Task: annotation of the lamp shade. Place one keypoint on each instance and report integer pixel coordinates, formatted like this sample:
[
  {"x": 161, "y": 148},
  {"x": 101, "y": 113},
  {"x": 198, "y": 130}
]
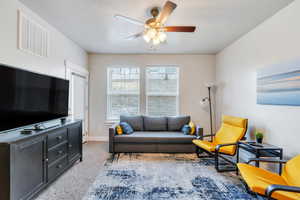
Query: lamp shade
[{"x": 209, "y": 84}]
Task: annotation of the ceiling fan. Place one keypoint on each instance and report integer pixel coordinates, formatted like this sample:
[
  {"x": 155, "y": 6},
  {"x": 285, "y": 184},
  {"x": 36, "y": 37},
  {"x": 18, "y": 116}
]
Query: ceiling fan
[{"x": 154, "y": 28}]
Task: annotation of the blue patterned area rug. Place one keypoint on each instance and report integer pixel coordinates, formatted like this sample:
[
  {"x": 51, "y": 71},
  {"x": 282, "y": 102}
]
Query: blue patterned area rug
[{"x": 162, "y": 177}]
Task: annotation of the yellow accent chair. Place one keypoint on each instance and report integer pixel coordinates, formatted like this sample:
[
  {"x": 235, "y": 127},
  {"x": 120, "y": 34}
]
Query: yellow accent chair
[
  {"x": 285, "y": 186},
  {"x": 224, "y": 142}
]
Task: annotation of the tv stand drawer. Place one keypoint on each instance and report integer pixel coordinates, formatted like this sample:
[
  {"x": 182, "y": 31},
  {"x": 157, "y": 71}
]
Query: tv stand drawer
[
  {"x": 56, "y": 137},
  {"x": 57, "y": 152},
  {"x": 56, "y": 168}
]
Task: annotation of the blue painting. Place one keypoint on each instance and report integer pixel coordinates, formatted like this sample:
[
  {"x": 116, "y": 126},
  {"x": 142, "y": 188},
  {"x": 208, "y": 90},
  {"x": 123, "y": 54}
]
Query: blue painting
[{"x": 279, "y": 84}]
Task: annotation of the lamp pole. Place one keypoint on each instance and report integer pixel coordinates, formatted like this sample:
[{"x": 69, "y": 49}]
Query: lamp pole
[{"x": 210, "y": 113}]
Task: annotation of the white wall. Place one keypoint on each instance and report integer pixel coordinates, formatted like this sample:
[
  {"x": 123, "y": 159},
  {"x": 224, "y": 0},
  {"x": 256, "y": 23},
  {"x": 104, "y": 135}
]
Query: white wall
[
  {"x": 274, "y": 41},
  {"x": 61, "y": 48},
  {"x": 195, "y": 70}
]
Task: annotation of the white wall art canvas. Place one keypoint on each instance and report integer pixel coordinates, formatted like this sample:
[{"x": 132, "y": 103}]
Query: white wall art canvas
[{"x": 279, "y": 84}]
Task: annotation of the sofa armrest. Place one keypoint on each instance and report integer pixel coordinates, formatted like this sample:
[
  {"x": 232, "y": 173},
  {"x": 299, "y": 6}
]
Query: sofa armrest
[{"x": 112, "y": 133}]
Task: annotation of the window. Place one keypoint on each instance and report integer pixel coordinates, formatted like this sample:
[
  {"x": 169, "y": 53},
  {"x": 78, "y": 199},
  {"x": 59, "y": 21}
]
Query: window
[
  {"x": 162, "y": 91},
  {"x": 123, "y": 92}
]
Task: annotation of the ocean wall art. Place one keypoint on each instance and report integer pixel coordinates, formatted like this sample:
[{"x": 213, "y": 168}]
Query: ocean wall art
[{"x": 279, "y": 84}]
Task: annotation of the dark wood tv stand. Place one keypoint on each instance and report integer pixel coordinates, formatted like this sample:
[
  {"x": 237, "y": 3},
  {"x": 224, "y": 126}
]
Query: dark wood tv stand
[{"x": 29, "y": 163}]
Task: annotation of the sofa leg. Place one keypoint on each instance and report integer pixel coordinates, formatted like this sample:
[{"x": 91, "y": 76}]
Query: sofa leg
[
  {"x": 198, "y": 152},
  {"x": 114, "y": 156}
]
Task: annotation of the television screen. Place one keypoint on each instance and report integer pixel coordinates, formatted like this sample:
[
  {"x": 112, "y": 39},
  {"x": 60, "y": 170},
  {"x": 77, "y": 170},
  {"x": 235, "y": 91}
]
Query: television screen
[{"x": 29, "y": 98}]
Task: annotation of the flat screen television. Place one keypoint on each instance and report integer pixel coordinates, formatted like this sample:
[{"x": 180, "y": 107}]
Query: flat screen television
[{"x": 29, "y": 98}]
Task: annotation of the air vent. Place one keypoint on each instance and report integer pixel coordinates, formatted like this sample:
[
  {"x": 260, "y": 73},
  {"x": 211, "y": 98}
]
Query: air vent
[{"x": 33, "y": 38}]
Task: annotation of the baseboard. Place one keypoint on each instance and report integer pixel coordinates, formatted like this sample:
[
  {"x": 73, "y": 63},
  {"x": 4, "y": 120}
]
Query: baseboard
[{"x": 97, "y": 139}]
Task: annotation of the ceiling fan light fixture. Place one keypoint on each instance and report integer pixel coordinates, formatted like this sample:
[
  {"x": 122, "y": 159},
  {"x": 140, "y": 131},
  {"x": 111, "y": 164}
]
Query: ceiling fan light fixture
[
  {"x": 154, "y": 28},
  {"x": 156, "y": 41},
  {"x": 146, "y": 38},
  {"x": 151, "y": 33},
  {"x": 162, "y": 36}
]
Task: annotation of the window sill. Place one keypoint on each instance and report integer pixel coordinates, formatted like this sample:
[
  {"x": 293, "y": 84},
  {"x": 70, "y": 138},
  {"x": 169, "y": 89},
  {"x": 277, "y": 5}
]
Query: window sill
[{"x": 110, "y": 122}]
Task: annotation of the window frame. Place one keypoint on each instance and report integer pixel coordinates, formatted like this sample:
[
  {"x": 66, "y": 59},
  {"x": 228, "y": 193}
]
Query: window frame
[
  {"x": 178, "y": 87},
  {"x": 109, "y": 117}
]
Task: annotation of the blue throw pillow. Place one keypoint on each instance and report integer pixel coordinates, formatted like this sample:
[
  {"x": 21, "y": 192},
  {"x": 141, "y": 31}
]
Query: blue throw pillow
[
  {"x": 186, "y": 129},
  {"x": 127, "y": 129}
]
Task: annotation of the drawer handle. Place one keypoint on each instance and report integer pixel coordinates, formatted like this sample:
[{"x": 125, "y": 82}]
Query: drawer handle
[
  {"x": 59, "y": 166},
  {"x": 59, "y": 137},
  {"x": 60, "y": 152}
]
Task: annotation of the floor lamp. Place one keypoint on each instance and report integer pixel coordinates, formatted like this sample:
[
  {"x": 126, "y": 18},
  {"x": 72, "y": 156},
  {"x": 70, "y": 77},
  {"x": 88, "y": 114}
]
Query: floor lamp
[{"x": 208, "y": 100}]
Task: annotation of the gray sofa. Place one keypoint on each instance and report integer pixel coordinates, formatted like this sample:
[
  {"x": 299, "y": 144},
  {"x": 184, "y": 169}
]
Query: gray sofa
[{"x": 153, "y": 135}]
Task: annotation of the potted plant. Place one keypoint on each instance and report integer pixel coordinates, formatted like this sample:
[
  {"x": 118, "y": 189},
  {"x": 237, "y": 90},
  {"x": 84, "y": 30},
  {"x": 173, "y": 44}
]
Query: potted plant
[{"x": 259, "y": 137}]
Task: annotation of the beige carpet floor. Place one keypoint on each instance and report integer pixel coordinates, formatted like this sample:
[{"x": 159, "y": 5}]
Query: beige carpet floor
[{"x": 75, "y": 182}]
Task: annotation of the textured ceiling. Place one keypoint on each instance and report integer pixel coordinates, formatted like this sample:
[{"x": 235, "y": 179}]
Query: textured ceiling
[{"x": 90, "y": 23}]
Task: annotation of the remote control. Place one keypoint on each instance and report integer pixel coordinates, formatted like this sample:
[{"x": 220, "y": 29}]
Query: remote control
[{"x": 26, "y": 131}]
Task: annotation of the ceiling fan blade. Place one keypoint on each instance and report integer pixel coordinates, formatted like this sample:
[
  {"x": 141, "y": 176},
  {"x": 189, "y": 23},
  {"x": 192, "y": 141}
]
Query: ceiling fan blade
[
  {"x": 130, "y": 20},
  {"x": 167, "y": 10},
  {"x": 189, "y": 29},
  {"x": 135, "y": 36}
]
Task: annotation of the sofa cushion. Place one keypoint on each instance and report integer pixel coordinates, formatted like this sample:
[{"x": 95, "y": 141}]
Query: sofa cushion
[
  {"x": 176, "y": 123},
  {"x": 155, "y": 123},
  {"x": 155, "y": 137},
  {"x": 136, "y": 122},
  {"x": 193, "y": 128},
  {"x": 119, "y": 130},
  {"x": 126, "y": 128},
  {"x": 186, "y": 129}
]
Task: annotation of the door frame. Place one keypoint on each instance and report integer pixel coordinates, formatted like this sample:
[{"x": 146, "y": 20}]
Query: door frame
[{"x": 70, "y": 69}]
